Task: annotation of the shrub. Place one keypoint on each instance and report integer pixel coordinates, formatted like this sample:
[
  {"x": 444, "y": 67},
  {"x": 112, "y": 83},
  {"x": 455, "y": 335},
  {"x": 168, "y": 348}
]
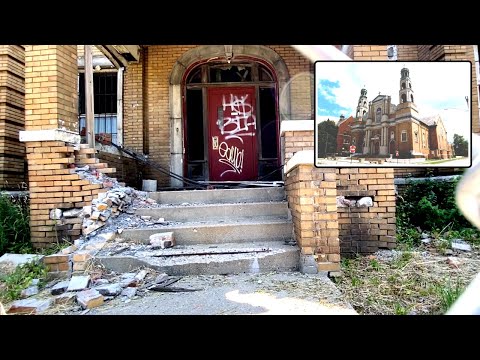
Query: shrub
[{"x": 14, "y": 225}]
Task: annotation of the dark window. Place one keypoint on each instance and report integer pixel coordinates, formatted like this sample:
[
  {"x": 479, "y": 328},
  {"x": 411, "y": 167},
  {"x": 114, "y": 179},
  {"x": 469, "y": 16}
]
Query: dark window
[
  {"x": 268, "y": 123},
  {"x": 378, "y": 117},
  {"x": 403, "y": 85},
  {"x": 404, "y": 98},
  {"x": 195, "y": 142},
  {"x": 104, "y": 104},
  {"x": 195, "y": 76},
  {"x": 411, "y": 97},
  {"x": 264, "y": 74},
  {"x": 230, "y": 73}
]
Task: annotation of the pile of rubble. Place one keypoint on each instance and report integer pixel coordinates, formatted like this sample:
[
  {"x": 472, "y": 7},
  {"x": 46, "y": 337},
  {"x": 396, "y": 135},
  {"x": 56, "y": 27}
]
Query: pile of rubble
[{"x": 84, "y": 292}]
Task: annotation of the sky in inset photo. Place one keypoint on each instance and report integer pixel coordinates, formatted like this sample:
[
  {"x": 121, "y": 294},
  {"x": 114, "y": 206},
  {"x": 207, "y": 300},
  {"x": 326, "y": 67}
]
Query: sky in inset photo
[{"x": 439, "y": 88}]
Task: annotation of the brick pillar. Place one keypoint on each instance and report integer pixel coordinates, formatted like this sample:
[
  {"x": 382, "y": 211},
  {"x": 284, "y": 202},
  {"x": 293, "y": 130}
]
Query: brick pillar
[
  {"x": 12, "y": 116},
  {"x": 311, "y": 195}
]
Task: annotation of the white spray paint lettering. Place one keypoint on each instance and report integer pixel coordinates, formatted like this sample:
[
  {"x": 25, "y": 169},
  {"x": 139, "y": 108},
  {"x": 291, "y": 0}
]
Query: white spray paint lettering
[
  {"x": 238, "y": 125},
  {"x": 231, "y": 156}
]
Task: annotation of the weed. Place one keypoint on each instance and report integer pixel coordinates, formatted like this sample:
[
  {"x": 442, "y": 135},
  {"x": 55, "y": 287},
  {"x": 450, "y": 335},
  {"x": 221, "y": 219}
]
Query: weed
[
  {"x": 356, "y": 281},
  {"x": 399, "y": 309},
  {"x": 448, "y": 294},
  {"x": 374, "y": 264},
  {"x": 21, "y": 278}
]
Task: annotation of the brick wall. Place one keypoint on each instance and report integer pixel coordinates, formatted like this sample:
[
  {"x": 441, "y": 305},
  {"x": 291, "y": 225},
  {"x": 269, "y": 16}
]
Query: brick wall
[
  {"x": 311, "y": 195},
  {"x": 12, "y": 116},
  {"x": 51, "y": 103},
  {"x": 127, "y": 169},
  {"x": 370, "y": 52},
  {"x": 407, "y": 52},
  {"x": 147, "y": 96},
  {"x": 366, "y": 229},
  {"x": 296, "y": 141},
  {"x": 301, "y": 87},
  {"x": 52, "y": 67}
]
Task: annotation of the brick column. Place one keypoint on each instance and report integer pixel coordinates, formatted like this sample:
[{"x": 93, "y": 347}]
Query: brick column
[{"x": 12, "y": 117}]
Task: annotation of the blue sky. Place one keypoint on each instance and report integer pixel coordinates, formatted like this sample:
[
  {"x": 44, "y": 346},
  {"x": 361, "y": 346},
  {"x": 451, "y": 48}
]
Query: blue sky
[{"x": 437, "y": 86}]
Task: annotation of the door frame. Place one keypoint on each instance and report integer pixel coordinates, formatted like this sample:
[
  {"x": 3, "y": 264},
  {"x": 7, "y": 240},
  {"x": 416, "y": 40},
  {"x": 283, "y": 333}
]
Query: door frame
[{"x": 205, "y": 86}]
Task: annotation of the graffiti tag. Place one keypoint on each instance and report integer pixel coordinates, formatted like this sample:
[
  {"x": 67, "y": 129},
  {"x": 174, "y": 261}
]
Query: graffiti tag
[
  {"x": 237, "y": 125},
  {"x": 231, "y": 156}
]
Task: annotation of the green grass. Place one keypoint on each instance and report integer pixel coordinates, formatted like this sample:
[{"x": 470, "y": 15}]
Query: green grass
[
  {"x": 448, "y": 294},
  {"x": 20, "y": 279}
]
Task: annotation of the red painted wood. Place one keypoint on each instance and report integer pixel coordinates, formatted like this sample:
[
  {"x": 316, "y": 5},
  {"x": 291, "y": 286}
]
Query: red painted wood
[{"x": 232, "y": 143}]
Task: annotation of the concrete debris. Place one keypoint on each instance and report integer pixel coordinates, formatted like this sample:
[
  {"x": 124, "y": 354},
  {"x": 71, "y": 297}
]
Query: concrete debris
[
  {"x": 60, "y": 287},
  {"x": 30, "y": 291},
  {"x": 69, "y": 250},
  {"x": 101, "y": 282},
  {"x": 35, "y": 282},
  {"x": 109, "y": 290},
  {"x": 426, "y": 240},
  {"x": 72, "y": 213},
  {"x": 425, "y": 236},
  {"x": 162, "y": 240},
  {"x": 459, "y": 244},
  {"x": 30, "y": 306},
  {"x": 343, "y": 202},
  {"x": 78, "y": 283},
  {"x": 146, "y": 217},
  {"x": 141, "y": 275},
  {"x": 129, "y": 292},
  {"x": 128, "y": 279},
  {"x": 161, "y": 278},
  {"x": 89, "y": 299},
  {"x": 448, "y": 252},
  {"x": 365, "y": 202},
  {"x": 65, "y": 299},
  {"x": 55, "y": 214}
]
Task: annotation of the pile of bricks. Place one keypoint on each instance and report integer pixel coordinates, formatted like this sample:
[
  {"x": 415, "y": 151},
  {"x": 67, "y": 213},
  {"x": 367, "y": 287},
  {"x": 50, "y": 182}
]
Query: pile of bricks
[
  {"x": 54, "y": 185},
  {"x": 86, "y": 156}
]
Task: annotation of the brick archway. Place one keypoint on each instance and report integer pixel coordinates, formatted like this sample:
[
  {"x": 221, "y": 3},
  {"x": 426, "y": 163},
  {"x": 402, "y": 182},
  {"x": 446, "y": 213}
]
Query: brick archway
[{"x": 202, "y": 53}]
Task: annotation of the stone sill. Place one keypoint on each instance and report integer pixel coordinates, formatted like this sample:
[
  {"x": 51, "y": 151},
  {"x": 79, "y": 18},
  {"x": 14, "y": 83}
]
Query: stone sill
[{"x": 50, "y": 135}]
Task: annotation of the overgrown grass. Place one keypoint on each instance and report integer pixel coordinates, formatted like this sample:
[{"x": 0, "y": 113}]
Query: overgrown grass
[
  {"x": 14, "y": 225},
  {"x": 430, "y": 206},
  {"x": 20, "y": 279}
]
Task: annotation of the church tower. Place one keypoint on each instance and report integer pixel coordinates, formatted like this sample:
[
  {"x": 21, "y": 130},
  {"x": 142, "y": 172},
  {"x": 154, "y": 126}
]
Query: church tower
[
  {"x": 406, "y": 92},
  {"x": 362, "y": 107}
]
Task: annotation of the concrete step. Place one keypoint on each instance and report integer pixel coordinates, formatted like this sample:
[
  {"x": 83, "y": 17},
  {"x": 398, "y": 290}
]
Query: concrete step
[
  {"x": 214, "y": 232},
  {"x": 220, "y": 196},
  {"x": 260, "y": 210},
  {"x": 227, "y": 258}
]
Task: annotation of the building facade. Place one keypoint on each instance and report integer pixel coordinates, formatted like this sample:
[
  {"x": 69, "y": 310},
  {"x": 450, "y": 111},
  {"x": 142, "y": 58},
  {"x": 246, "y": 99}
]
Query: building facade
[{"x": 382, "y": 129}]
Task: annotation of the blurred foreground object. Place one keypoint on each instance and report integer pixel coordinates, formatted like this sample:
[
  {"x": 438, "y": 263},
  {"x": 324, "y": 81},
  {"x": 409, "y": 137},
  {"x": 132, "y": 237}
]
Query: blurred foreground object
[
  {"x": 321, "y": 52},
  {"x": 468, "y": 201}
]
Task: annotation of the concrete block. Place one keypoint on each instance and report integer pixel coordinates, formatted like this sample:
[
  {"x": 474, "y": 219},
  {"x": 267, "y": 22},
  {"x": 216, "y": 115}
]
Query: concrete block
[
  {"x": 89, "y": 299},
  {"x": 29, "y": 306},
  {"x": 78, "y": 283},
  {"x": 60, "y": 287}
]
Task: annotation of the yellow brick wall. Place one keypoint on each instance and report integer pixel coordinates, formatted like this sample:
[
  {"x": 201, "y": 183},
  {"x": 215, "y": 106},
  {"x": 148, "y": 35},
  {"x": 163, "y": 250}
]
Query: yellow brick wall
[
  {"x": 407, "y": 52},
  {"x": 146, "y": 96},
  {"x": 51, "y": 87},
  {"x": 311, "y": 195},
  {"x": 12, "y": 120},
  {"x": 370, "y": 52}
]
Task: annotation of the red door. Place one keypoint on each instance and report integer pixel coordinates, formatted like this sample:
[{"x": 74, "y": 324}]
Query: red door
[{"x": 232, "y": 134}]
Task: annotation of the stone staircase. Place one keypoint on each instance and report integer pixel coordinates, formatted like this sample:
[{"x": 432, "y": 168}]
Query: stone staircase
[{"x": 216, "y": 232}]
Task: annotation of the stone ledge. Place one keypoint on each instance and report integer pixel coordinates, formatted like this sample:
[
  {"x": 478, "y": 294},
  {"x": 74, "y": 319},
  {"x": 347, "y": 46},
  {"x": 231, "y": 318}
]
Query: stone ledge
[
  {"x": 303, "y": 157},
  {"x": 50, "y": 135},
  {"x": 296, "y": 125}
]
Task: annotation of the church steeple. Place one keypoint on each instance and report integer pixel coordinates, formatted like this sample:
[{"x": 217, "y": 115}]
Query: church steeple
[
  {"x": 362, "y": 107},
  {"x": 406, "y": 92}
]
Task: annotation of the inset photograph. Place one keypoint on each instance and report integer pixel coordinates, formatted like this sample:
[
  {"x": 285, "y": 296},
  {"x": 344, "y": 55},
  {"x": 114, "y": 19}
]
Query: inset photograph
[{"x": 392, "y": 114}]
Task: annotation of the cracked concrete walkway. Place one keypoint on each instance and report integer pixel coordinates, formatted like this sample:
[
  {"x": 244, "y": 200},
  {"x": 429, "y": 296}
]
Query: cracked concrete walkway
[{"x": 257, "y": 294}]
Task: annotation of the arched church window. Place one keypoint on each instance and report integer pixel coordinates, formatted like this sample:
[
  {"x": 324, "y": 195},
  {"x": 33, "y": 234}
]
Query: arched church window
[
  {"x": 403, "y": 85},
  {"x": 404, "y": 98},
  {"x": 378, "y": 116}
]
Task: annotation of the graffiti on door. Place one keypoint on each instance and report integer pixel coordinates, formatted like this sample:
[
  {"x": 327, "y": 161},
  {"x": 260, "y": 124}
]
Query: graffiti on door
[
  {"x": 232, "y": 157},
  {"x": 241, "y": 121}
]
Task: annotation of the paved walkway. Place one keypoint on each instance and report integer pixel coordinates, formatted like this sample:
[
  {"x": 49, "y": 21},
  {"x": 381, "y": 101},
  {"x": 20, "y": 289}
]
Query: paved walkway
[{"x": 259, "y": 294}]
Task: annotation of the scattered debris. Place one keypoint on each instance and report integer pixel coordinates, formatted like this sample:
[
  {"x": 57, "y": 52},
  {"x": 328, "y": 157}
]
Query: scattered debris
[
  {"x": 66, "y": 299},
  {"x": 30, "y": 291},
  {"x": 89, "y": 299},
  {"x": 109, "y": 289},
  {"x": 129, "y": 292},
  {"x": 365, "y": 202},
  {"x": 459, "y": 244},
  {"x": 60, "y": 287},
  {"x": 29, "y": 306},
  {"x": 162, "y": 240},
  {"x": 453, "y": 261},
  {"x": 78, "y": 283}
]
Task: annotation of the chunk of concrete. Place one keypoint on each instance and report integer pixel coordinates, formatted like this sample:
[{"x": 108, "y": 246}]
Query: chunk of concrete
[
  {"x": 55, "y": 214},
  {"x": 461, "y": 245},
  {"x": 69, "y": 250},
  {"x": 162, "y": 240},
  {"x": 72, "y": 213},
  {"x": 60, "y": 287},
  {"x": 89, "y": 299},
  {"x": 128, "y": 279},
  {"x": 91, "y": 228},
  {"x": 78, "y": 283},
  {"x": 129, "y": 292},
  {"x": 66, "y": 299},
  {"x": 109, "y": 289},
  {"x": 19, "y": 259},
  {"x": 29, "y": 306},
  {"x": 365, "y": 202},
  {"x": 30, "y": 291},
  {"x": 95, "y": 215},
  {"x": 141, "y": 275}
]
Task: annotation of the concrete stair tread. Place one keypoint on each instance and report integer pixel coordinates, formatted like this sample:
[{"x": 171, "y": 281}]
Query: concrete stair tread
[
  {"x": 220, "y": 196},
  {"x": 225, "y": 258},
  {"x": 207, "y": 205},
  {"x": 214, "y": 223}
]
